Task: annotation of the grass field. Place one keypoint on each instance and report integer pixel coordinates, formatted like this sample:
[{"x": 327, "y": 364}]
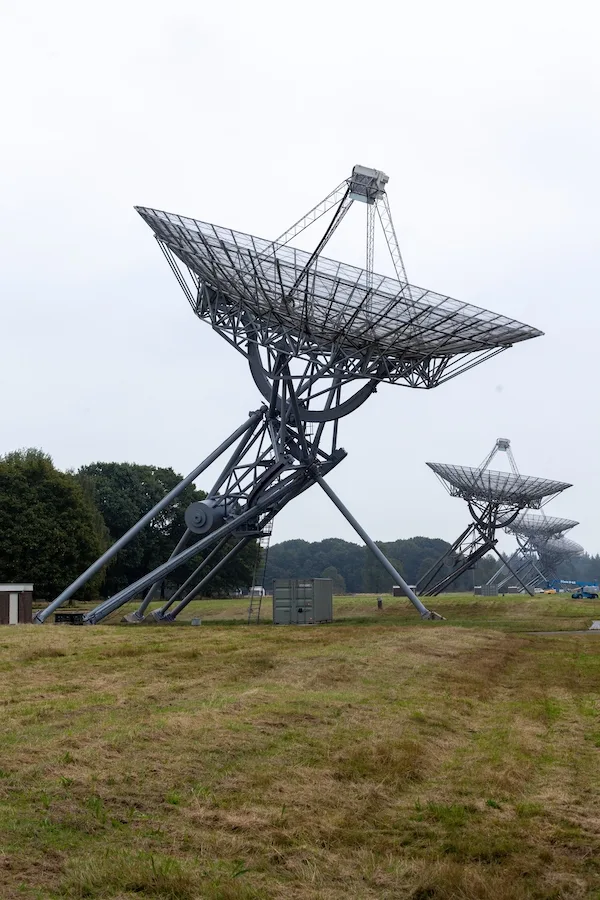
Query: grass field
[
  {"x": 376, "y": 757},
  {"x": 510, "y": 613}
]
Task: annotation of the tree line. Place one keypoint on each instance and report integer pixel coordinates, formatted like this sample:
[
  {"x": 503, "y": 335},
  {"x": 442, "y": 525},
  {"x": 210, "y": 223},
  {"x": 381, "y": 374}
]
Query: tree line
[
  {"x": 582, "y": 568},
  {"x": 54, "y": 524},
  {"x": 354, "y": 569}
]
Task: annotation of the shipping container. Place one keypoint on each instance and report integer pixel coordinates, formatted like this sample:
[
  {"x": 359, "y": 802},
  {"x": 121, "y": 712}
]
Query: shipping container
[{"x": 302, "y": 601}]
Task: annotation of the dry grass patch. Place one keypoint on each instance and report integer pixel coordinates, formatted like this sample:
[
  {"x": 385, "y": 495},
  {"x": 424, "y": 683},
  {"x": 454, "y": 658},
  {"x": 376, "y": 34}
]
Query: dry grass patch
[
  {"x": 310, "y": 764},
  {"x": 42, "y": 653},
  {"x": 147, "y": 875}
]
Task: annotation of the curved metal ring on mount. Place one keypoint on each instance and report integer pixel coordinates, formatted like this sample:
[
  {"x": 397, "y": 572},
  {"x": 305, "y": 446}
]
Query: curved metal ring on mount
[
  {"x": 348, "y": 406},
  {"x": 511, "y": 514}
]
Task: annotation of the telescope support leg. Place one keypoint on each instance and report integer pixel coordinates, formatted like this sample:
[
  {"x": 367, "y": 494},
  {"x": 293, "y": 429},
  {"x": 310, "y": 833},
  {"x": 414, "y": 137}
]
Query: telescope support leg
[
  {"x": 171, "y": 616},
  {"x": 138, "y": 615},
  {"x": 423, "y": 611},
  {"x": 135, "y": 529}
]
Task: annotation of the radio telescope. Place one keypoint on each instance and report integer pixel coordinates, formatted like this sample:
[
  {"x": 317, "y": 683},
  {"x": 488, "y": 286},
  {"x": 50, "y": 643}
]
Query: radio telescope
[
  {"x": 553, "y": 553},
  {"x": 495, "y": 500},
  {"x": 531, "y": 531},
  {"x": 530, "y": 525},
  {"x": 320, "y": 336}
]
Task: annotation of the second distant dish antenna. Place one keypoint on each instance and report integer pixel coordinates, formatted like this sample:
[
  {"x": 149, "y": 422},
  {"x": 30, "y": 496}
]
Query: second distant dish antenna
[
  {"x": 494, "y": 499},
  {"x": 541, "y": 549}
]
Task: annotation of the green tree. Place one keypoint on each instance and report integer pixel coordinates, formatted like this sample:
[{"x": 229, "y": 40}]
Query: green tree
[
  {"x": 238, "y": 573},
  {"x": 339, "y": 585},
  {"x": 50, "y": 530},
  {"x": 357, "y": 566},
  {"x": 302, "y": 559},
  {"x": 426, "y": 564},
  {"x": 376, "y": 579},
  {"x": 123, "y": 493}
]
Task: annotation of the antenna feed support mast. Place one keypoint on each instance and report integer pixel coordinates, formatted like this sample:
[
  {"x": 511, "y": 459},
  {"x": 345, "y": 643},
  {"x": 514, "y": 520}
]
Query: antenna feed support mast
[
  {"x": 502, "y": 445},
  {"x": 368, "y": 186}
]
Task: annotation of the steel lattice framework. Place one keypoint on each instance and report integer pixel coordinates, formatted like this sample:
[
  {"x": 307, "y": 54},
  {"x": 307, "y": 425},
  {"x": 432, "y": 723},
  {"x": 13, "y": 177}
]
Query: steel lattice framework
[
  {"x": 531, "y": 525},
  {"x": 389, "y": 331},
  {"x": 505, "y": 488},
  {"x": 534, "y": 561},
  {"x": 554, "y": 552},
  {"x": 560, "y": 549},
  {"x": 495, "y": 500},
  {"x": 319, "y": 337}
]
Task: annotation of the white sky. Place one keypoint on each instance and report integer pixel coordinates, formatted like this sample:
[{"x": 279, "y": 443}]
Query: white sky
[{"x": 484, "y": 115}]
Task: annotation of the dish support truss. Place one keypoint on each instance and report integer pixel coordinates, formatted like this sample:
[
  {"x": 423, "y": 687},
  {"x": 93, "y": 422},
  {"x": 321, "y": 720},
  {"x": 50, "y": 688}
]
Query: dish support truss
[
  {"x": 479, "y": 537},
  {"x": 274, "y": 459},
  {"x": 541, "y": 548},
  {"x": 555, "y": 552},
  {"x": 524, "y": 564}
]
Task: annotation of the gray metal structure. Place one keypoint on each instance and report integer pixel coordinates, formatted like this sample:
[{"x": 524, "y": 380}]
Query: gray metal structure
[
  {"x": 555, "y": 552},
  {"x": 319, "y": 336},
  {"x": 535, "y": 525},
  {"x": 534, "y": 561},
  {"x": 495, "y": 500}
]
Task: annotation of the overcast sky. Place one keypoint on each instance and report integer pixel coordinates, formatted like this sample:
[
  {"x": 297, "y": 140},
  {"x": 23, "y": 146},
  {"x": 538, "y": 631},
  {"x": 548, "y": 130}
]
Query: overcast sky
[{"x": 484, "y": 115}]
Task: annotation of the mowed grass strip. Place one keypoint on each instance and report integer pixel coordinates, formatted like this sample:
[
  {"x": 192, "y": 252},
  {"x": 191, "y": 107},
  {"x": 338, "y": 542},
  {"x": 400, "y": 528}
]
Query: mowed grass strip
[
  {"x": 329, "y": 762},
  {"x": 511, "y": 612}
]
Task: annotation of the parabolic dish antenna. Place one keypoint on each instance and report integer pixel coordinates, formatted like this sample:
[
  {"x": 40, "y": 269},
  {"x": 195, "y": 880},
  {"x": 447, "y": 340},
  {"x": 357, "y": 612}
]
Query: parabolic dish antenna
[
  {"x": 552, "y": 553},
  {"x": 370, "y": 319},
  {"x": 319, "y": 337},
  {"x": 504, "y": 488},
  {"x": 495, "y": 499},
  {"x": 531, "y": 525},
  {"x": 532, "y": 532},
  {"x": 560, "y": 548}
]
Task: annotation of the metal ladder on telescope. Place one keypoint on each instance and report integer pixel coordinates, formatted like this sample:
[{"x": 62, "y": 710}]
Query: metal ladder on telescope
[{"x": 258, "y": 578}]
